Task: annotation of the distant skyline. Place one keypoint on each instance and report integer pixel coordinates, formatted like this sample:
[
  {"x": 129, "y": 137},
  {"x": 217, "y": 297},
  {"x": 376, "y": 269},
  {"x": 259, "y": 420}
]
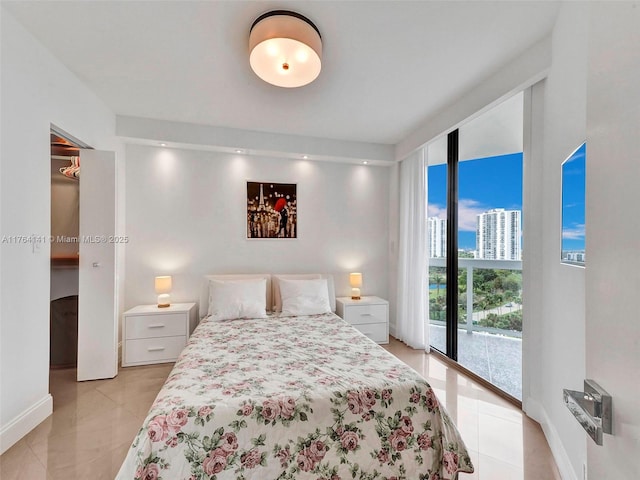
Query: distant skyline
[
  {"x": 573, "y": 200},
  {"x": 483, "y": 184}
]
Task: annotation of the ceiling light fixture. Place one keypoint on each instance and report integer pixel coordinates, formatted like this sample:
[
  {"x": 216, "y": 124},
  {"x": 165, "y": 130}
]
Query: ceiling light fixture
[{"x": 286, "y": 49}]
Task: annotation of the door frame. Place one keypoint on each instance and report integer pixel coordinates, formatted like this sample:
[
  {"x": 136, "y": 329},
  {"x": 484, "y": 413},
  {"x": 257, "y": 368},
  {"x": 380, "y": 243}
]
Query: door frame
[{"x": 112, "y": 367}]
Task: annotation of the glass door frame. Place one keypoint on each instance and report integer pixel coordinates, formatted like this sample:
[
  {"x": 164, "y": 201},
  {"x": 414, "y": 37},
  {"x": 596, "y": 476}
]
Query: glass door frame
[
  {"x": 452, "y": 263},
  {"x": 451, "y": 301}
]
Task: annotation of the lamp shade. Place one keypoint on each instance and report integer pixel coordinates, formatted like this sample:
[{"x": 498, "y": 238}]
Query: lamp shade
[
  {"x": 163, "y": 284},
  {"x": 355, "y": 280},
  {"x": 286, "y": 49}
]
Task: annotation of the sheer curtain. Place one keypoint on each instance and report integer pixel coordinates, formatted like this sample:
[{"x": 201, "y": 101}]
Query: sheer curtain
[{"x": 411, "y": 317}]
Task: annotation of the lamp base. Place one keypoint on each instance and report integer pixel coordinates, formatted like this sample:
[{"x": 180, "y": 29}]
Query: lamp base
[
  {"x": 356, "y": 298},
  {"x": 355, "y": 294},
  {"x": 163, "y": 300}
]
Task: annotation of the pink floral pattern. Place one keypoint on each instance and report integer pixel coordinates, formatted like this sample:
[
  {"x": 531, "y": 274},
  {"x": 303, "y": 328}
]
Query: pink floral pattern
[{"x": 293, "y": 398}]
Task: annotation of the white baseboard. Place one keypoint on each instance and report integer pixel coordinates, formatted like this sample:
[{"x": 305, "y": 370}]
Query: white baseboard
[
  {"x": 535, "y": 410},
  {"x": 25, "y": 422}
]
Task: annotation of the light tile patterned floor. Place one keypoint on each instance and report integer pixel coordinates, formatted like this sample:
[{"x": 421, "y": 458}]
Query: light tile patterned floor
[
  {"x": 496, "y": 432},
  {"x": 94, "y": 423}
]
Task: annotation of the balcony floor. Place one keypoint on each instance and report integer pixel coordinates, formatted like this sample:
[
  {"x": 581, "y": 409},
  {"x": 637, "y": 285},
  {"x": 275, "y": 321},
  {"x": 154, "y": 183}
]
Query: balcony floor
[{"x": 495, "y": 358}]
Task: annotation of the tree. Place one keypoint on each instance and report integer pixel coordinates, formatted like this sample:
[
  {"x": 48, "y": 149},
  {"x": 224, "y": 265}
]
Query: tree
[
  {"x": 512, "y": 282},
  {"x": 438, "y": 279}
]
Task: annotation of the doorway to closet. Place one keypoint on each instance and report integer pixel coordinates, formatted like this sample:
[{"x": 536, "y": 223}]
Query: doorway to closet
[
  {"x": 84, "y": 321},
  {"x": 65, "y": 224}
]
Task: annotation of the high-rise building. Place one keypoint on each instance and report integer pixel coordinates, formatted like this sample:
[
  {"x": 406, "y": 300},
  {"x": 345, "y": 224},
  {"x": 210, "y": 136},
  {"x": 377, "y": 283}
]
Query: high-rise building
[
  {"x": 498, "y": 235},
  {"x": 437, "y": 235},
  {"x": 577, "y": 256}
]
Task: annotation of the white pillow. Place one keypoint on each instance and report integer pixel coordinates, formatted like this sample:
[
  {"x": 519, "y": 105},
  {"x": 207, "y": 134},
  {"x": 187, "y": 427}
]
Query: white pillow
[
  {"x": 275, "y": 282},
  {"x": 237, "y": 299},
  {"x": 304, "y": 297}
]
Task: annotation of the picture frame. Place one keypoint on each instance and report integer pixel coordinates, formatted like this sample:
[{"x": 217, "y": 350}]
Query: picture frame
[
  {"x": 272, "y": 210},
  {"x": 573, "y": 207}
]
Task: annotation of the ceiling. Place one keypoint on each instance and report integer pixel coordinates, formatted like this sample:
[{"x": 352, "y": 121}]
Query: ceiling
[{"x": 387, "y": 65}]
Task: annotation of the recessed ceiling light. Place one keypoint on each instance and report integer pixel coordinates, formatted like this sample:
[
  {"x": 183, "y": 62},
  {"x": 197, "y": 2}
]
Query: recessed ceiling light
[
  {"x": 305, "y": 156},
  {"x": 239, "y": 151},
  {"x": 163, "y": 144},
  {"x": 365, "y": 163}
]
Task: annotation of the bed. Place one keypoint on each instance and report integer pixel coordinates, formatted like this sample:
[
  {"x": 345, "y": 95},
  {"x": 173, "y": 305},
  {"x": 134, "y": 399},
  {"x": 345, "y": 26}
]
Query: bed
[{"x": 284, "y": 396}]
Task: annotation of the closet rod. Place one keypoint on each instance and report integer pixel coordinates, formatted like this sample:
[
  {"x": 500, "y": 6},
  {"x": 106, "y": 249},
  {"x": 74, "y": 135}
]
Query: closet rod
[{"x": 62, "y": 157}]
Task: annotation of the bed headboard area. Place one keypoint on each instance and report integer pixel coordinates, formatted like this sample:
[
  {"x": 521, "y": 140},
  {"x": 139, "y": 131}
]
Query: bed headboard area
[
  {"x": 273, "y": 300},
  {"x": 275, "y": 286},
  {"x": 204, "y": 290}
]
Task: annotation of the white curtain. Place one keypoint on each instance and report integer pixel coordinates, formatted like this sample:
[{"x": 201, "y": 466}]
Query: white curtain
[{"x": 413, "y": 268}]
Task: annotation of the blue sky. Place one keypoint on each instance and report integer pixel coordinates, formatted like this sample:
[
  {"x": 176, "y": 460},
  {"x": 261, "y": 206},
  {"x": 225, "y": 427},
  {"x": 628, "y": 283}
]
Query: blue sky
[
  {"x": 492, "y": 182},
  {"x": 573, "y": 200}
]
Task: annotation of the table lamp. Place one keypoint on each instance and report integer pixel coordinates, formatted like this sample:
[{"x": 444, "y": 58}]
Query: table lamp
[
  {"x": 355, "y": 279},
  {"x": 163, "y": 287}
]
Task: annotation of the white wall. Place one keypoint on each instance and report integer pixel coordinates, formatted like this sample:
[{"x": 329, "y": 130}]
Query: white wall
[
  {"x": 613, "y": 230},
  {"x": 186, "y": 217},
  {"x": 584, "y": 321},
  {"x": 554, "y": 293},
  {"x": 36, "y": 91}
]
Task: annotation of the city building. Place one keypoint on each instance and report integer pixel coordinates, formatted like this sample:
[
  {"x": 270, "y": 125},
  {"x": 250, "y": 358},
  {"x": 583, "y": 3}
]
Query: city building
[
  {"x": 498, "y": 235},
  {"x": 577, "y": 257},
  {"x": 437, "y": 235}
]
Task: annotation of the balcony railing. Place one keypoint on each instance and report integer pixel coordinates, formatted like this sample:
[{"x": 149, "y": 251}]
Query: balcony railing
[
  {"x": 470, "y": 264},
  {"x": 494, "y": 354}
]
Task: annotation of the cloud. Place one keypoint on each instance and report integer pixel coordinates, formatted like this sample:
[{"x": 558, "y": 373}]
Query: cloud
[
  {"x": 575, "y": 232},
  {"x": 439, "y": 211},
  {"x": 468, "y": 211}
]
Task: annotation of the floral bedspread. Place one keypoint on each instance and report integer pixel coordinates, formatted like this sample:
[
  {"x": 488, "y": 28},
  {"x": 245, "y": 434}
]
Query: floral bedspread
[{"x": 293, "y": 398}]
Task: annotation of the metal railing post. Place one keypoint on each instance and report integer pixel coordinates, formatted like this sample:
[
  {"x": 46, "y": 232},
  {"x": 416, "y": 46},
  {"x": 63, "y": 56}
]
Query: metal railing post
[{"x": 469, "y": 298}]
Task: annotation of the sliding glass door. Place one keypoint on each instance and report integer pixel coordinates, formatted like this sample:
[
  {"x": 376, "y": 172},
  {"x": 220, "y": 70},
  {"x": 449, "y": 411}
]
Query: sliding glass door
[
  {"x": 481, "y": 314},
  {"x": 437, "y": 239}
]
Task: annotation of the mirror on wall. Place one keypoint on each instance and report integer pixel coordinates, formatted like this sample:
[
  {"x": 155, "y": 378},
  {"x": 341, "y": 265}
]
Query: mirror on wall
[{"x": 573, "y": 207}]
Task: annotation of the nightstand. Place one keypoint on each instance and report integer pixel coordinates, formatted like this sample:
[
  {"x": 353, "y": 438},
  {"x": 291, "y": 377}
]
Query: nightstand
[
  {"x": 156, "y": 335},
  {"x": 370, "y": 315}
]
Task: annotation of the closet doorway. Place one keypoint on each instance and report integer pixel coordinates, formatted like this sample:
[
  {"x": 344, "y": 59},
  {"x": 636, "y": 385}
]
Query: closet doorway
[
  {"x": 84, "y": 322},
  {"x": 65, "y": 224}
]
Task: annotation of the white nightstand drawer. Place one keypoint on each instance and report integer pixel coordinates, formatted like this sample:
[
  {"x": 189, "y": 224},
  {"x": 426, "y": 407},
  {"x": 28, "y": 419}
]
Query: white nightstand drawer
[
  {"x": 370, "y": 315},
  {"x": 375, "y": 331},
  {"x": 150, "y": 350},
  {"x": 358, "y": 314},
  {"x": 161, "y": 325}
]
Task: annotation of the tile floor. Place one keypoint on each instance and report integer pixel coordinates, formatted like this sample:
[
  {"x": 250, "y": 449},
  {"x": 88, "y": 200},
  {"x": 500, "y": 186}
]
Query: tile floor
[
  {"x": 93, "y": 424},
  {"x": 497, "y": 434}
]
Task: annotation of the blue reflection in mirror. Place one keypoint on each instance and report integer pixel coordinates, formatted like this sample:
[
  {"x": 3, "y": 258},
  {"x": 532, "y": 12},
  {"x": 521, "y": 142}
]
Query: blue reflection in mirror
[{"x": 573, "y": 207}]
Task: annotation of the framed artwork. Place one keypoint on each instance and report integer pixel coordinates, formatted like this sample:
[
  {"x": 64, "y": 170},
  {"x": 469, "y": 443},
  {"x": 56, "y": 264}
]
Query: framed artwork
[
  {"x": 272, "y": 210},
  {"x": 573, "y": 207}
]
